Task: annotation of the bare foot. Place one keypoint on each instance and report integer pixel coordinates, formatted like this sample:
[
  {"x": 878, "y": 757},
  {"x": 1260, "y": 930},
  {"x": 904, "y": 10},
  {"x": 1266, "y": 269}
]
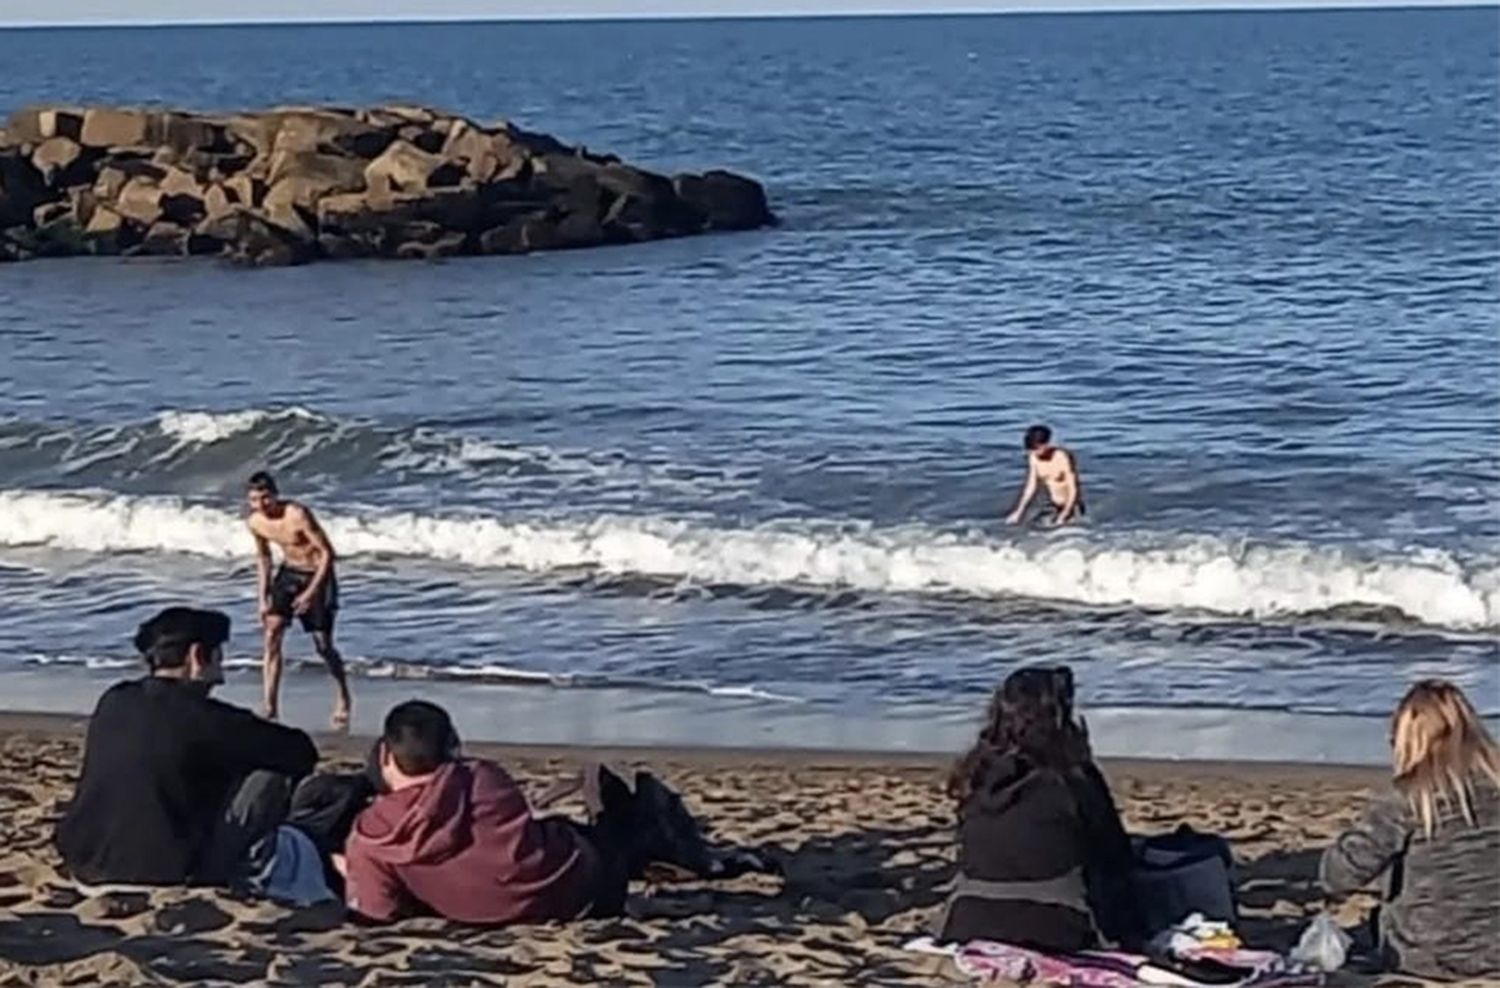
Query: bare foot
[
  {"x": 340, "y": 718},
  {"x": 270, "y": 713}
]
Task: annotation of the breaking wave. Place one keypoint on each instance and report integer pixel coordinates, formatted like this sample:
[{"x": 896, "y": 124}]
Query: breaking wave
[
  {"x": 191, "y": 450},
  {"x": 1199, "y": 573}
]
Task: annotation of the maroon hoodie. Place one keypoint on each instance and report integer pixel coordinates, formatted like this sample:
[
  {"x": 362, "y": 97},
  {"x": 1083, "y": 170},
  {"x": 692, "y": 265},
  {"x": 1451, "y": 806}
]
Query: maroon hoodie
[{"x": 464, "y": 845}]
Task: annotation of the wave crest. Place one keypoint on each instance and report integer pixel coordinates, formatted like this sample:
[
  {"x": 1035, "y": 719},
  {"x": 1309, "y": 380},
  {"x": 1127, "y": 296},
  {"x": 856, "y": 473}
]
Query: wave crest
[
  {"x": 212, "y": 427},
  {"x": 186, "y": 449}
]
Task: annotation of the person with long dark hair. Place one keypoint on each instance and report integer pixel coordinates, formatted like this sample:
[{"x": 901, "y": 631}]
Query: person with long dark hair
[{"x": 1044, "y": 861}]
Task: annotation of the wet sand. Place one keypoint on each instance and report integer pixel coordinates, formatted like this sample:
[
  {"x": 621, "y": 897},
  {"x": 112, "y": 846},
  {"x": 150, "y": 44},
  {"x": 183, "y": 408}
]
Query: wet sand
[{"x": 863, "y": 841}]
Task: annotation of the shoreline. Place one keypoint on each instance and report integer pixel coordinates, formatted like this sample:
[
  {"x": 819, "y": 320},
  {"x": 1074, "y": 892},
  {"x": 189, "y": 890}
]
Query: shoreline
[
  {"x": 335, "y": 746},
  {"x": 545, "y": 716}
]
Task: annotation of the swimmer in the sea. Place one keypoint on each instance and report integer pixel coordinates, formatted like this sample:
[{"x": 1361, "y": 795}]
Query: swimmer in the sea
[
  {"x": 1055, "y": 467},
  {"x": 304, "y": 586}
]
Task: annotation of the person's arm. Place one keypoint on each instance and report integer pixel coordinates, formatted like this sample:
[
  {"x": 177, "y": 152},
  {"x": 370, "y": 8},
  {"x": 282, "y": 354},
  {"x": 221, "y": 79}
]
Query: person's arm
[
  {"x": 1027, "y": 493},
  {"x": 1368, "y": 848},
  {"x": 370, "y": 889},
  {"x": 236, "y": 737},
  {"x": 1111, "y": 857},
  {"x": 262, "y": 574},
  {"x": 1069, "y": 508},
  {"x": 319, "y": 540}
]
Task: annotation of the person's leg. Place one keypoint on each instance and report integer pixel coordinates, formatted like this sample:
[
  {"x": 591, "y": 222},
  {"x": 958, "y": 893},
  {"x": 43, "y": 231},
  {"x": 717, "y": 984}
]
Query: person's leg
[
  {"x": 253, "y": 812},
  {"x": 324, "y": 806},
  {"x": 271, "y": 662},
  {"x": 318, "y": 620},
  {"x": 329, "y": 653},
  {"x": 611, "y": 865}
]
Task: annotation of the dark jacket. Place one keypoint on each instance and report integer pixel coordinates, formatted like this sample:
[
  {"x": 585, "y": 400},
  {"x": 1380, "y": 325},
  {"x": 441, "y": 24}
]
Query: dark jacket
[
  {"x": 465, "y": 846},
  {"x": 160, "y": 762},
  {"x": 1441, "y": 914},
  {"x": 1056, "y": 841}
]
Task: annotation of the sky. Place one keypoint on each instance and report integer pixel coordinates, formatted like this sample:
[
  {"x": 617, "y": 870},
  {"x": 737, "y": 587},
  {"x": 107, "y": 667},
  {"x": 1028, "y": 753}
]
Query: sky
[{"x": 31, "y": 12}]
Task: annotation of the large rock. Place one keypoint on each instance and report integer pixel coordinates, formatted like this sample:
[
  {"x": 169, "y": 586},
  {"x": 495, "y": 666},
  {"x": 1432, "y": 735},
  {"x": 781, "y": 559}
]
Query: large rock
[
  {"x": 22, "y": 188},
  {"x": 58, "y": 230},
  {"x": 139, "y": 200},
  {"x": 162, "y": 239},
  {"x": 535, "y": 143},
  {"x": 191, "y": 133},
  {"x": 105, "y": 128},
  {"x": 246, "y": 189},
  {"x": 183, "y": 210},
  {"x": 404, "y": 167},
  {"x": 644, "y": 205},
  {"x": 256, "y": 241},
  {"x": 484, "y": 156},
  {"x": 176, "y": 181},
  {"x": 313, "y": 130},
  {"x": 218, "y": 201},
  {"x": 108, "y": 232},
  {"x": 83, "y": 203},
  {"x": 728, "y": 201},
  {"x": 114, "y": 175},
  {"x": 376, "y": 225},
  {"x": 109, "y": 183},
  {"x": 564, "y": 170},
  {"x": 253, "y": 132},
  {"x": 304, "y": 177},
  {"x": 35, "y": 124},
  {"x": 62, "y": 162}
]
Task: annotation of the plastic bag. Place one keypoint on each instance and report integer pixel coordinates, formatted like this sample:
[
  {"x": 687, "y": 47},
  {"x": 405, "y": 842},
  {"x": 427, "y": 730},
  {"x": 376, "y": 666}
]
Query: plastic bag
[{"x": 1323, "y": 945}]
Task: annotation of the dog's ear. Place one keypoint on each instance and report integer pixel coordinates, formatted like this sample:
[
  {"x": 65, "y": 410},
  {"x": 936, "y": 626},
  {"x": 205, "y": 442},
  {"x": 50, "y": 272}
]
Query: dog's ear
[{"x": 603, "y": 789}]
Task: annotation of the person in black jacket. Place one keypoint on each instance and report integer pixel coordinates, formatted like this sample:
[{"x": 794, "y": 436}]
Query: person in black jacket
[
  {"x": 177, "y": 787},
  {"x": 1044, "y": 861}
]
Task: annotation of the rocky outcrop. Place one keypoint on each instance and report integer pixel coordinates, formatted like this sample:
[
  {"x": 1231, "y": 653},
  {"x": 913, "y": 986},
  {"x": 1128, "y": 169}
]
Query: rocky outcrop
[{"x": 295, "y": 184}]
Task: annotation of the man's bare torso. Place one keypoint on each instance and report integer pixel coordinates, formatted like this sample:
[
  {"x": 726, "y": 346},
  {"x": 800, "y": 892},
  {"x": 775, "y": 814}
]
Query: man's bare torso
[
  {"x": 291, "y": 532},
  {"x": 1056, "y": 474}
]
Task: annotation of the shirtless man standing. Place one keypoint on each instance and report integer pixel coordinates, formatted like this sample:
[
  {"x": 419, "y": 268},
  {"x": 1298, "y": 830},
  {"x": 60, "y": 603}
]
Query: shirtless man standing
[
  {"x": 304, "y": 586},
  {"x": 1053, "y": 466}
]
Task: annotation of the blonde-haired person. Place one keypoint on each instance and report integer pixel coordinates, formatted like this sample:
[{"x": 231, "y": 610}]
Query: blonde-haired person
[{"x": 1435, "y": 837}]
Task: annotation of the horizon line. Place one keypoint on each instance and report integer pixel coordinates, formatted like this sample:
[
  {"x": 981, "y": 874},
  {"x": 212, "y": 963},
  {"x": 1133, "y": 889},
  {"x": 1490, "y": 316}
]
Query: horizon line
[{"x": 1126, "y": 7}]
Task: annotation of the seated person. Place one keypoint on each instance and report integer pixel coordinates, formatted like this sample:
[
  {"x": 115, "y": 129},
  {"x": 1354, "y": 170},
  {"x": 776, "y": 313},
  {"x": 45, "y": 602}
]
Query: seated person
[
  {"x": 455, "y": 837},
  {"x": 1435, "y": 837},
  {"x": 1043, "y": 859},
  {"x": 178, "y": 787}
]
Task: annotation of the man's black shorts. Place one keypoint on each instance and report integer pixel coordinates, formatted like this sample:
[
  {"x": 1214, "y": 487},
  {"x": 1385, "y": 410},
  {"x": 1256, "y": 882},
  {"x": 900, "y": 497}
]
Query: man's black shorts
[{"x": 289, "y": 583}]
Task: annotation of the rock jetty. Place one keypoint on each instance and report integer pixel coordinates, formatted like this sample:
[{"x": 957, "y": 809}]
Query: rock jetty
[{"x": 297, "y": 184}]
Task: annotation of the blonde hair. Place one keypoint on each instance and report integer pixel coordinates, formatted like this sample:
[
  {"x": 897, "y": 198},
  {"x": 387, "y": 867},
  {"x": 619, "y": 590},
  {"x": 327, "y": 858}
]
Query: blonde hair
[{"x": 1440, "y": 747}]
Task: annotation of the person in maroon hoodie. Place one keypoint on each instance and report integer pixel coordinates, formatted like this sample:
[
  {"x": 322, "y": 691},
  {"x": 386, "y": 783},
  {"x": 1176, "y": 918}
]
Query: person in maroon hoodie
[{"x": 455, "y": 837}]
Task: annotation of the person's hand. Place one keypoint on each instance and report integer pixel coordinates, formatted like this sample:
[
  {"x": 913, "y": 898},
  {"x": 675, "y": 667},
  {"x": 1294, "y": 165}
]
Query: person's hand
[
  {"x": 265, "y": 609},
  {"x": 1014, "y": 518},
  {"x": 301, "y": 603}
]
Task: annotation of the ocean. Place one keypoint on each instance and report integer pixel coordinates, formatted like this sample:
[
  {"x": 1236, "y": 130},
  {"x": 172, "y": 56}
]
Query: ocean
[{"x": 1247, "y": 265}]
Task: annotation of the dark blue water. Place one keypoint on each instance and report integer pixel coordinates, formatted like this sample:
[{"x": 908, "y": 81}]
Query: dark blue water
[{"x": 1246, "y": 264}]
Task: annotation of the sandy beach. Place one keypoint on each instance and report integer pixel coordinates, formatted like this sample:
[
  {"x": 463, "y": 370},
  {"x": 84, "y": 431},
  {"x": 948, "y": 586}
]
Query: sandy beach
[{"x": 863, "y": 842}]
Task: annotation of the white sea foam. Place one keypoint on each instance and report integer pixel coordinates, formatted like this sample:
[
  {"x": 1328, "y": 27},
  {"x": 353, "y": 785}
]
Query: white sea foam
[
  {"x": 1198, "y": 573},
  {"x": 290, "y": 437},
  {"x": 486, "y": 673},
  {"x": 213, "y": 427}
]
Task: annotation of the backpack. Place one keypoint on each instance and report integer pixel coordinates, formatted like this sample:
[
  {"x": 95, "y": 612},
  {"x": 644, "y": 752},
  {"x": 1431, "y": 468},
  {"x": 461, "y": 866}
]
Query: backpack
[{"x": 1181, "y": 873}]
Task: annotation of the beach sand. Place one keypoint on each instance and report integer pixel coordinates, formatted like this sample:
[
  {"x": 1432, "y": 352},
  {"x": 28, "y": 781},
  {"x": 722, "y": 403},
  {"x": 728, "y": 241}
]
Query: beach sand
[{"x": 863, "y": 841}]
